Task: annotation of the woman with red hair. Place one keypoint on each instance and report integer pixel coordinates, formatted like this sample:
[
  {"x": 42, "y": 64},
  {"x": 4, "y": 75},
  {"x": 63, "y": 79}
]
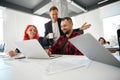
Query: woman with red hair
[{"x": 31, "y": 32}]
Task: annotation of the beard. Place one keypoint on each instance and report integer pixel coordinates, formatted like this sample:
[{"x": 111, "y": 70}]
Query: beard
[{"x": 67, "y": 32}]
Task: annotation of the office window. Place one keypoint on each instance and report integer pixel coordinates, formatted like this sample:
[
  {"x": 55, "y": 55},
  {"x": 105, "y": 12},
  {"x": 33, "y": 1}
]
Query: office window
[
  {"x": 1, "y": 25},
  {"x": 110, "y": 26}
]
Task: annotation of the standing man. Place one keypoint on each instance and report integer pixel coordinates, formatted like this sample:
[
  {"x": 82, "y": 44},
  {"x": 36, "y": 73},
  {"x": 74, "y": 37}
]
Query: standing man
[
  {"x": 53, "y": 26},
  {"x": 62, "y": 45}
]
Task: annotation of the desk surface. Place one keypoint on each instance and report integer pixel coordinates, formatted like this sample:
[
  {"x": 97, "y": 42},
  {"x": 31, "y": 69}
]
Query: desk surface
[{"x": 35, "y": 69}]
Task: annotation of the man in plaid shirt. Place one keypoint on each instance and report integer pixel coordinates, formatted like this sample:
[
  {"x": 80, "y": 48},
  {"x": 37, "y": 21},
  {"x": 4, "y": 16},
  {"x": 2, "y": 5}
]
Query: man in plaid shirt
[{"x": 62, "y": 45}]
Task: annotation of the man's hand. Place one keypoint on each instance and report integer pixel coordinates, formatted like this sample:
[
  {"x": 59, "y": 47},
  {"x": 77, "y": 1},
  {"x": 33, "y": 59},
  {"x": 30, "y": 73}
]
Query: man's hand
[
  {"x": 48, "y": 52},
  {"x": 47, "y": 36},
  {"x": 85, "y": 26}
]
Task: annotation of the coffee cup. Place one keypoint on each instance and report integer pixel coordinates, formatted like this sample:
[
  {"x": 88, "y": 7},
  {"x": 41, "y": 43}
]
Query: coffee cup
[{"x": 50, "y": 35}]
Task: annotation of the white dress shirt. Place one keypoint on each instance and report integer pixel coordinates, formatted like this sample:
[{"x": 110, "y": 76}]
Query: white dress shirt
[{"x": 55, "y": 29}]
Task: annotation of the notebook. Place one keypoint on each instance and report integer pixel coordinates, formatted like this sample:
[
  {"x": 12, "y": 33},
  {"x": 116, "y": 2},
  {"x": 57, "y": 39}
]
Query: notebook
[
  {"x": 91, "y": 48},
  {"x": 33, "y": 49}
]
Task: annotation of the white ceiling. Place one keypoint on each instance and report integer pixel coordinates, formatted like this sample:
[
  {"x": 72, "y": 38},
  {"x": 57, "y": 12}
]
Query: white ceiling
[{"x": 25, "y": 3}]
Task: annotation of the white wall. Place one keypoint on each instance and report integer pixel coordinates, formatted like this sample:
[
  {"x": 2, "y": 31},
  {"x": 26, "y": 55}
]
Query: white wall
[
  {"x": 15, "y": 24},
  {"x": 95, "y": 18}
]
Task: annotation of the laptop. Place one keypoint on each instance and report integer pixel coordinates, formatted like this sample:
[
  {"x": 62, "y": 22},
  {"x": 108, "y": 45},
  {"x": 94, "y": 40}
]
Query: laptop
[
  {"x": 91, "y": 48},
  {"x": 32, "y": 49}
]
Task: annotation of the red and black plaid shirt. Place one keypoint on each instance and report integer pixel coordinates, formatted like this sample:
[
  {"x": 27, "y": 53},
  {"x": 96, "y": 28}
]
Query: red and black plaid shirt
[{"x": 69, "y": 48}]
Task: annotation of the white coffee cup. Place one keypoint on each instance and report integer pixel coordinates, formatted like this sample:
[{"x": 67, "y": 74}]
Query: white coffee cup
[{"x": 50, "y": 35}]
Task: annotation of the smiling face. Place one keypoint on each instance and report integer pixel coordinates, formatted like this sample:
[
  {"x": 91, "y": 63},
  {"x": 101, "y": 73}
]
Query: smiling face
[
  {"x": 54, "y": 15},
  {"x": 102, "y": 41},
  {"x": 66, "y": 26},
  {"x": 31, "y": 32}
]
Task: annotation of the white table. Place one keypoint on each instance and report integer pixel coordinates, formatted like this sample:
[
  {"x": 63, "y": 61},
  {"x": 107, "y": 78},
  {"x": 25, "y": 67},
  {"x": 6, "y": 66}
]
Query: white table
[{"x": 34, "y": 69}]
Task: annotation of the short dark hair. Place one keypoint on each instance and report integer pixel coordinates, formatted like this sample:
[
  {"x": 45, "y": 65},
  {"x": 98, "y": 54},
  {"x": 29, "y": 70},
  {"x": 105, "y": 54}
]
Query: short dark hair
[
  {"x": 68, "y": 19},
  {"x": 102, "y": 39},
  {"x": 53, "y": 8}
]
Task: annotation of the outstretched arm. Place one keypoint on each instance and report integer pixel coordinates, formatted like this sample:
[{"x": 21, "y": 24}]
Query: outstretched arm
[
  {"x": 82, "y": 28},
  {"x": 85, "y": 26}
]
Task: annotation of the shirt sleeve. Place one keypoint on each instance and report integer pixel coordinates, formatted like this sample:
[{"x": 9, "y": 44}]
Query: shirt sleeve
[
  {"x": 17, "y": 50},
  {"x": 79, "y": 31},
  {"x": 55, "y": 47}
]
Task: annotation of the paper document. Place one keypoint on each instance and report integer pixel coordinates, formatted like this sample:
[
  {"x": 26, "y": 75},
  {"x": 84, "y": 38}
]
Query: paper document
[{"x": 66, "y": 64}]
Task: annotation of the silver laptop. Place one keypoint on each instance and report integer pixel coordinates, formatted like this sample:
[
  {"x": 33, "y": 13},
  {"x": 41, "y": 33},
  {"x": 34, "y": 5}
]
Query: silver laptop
[
  {"x": 90, "y": 47},
  {"x": 33, "y": 49}
]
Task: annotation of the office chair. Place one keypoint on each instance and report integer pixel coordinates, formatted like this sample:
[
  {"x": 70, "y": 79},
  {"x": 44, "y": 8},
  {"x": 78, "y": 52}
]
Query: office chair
[
  {"x": 118, "y": 35},
  {"x": 2, "y": 45}
]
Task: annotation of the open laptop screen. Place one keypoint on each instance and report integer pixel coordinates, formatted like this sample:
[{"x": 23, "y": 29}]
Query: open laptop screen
[{"x": 90, "y": 47}]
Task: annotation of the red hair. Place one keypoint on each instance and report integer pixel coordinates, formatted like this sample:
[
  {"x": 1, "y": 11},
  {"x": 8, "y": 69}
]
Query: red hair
[{"x": 26, "y": 37}]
